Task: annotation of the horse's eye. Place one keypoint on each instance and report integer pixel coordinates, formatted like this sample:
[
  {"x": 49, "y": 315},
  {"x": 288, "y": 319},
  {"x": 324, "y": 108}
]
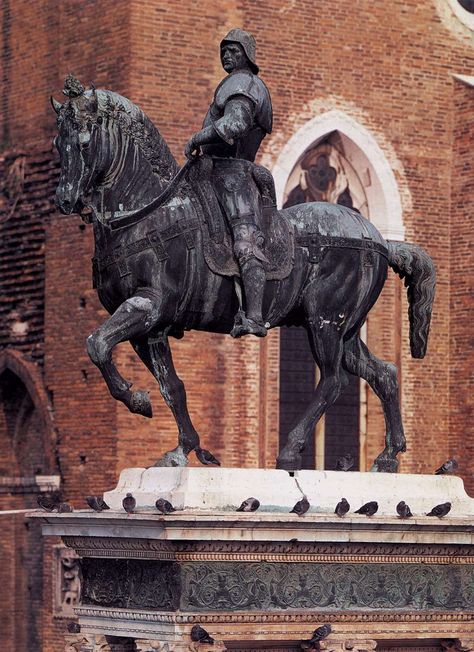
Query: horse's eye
[
  {"x": 99, "y": 120},
  {"x": 85, "y": 145}
]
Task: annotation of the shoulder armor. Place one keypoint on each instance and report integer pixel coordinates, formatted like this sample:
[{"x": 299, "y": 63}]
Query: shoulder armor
[
  {"x": 246, "y": 83},
  {"x": 239, "y": 83}
]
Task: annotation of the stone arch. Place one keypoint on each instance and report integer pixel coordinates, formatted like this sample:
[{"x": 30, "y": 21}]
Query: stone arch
[
  {"x": 27, "y": 444},
  {"x": 28, "y": 411},
  {"x": 363, "y": 152}
]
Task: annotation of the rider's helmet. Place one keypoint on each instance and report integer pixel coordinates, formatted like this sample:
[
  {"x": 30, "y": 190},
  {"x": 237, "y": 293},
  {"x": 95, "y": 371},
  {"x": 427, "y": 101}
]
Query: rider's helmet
[{"x": 247, "y": 41}]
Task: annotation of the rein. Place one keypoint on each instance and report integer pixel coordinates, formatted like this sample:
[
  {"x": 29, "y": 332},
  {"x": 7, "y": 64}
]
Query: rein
[{"x": 122, "y": 219}]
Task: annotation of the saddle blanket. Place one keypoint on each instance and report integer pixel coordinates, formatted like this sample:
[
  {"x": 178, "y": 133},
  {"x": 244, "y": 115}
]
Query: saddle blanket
[{"x": 279, "y": 245}]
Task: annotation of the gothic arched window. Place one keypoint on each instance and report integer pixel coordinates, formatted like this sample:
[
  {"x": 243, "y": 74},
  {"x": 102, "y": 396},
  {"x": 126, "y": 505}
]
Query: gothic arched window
[
  {"x": 323, "y": 173},
  {"x": 468, "y": 5}
]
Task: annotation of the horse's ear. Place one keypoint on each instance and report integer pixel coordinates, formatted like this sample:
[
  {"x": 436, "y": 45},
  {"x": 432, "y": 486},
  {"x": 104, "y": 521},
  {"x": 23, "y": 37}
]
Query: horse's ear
[{"x": 57, "y": 106}]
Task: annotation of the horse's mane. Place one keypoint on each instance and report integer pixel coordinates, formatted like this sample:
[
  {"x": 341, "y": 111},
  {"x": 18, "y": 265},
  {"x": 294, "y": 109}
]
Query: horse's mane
[{"x": 136, "y": 124}]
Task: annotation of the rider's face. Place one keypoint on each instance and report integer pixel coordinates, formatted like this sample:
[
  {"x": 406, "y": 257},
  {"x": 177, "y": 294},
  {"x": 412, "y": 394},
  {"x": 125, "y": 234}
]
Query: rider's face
[{"x": 233, "y": 57}]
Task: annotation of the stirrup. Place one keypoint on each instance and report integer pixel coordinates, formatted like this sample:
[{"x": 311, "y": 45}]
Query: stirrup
[{"x": 243, "y": 325}]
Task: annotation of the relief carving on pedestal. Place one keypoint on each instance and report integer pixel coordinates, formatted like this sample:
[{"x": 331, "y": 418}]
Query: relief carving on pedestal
[
  {"x": 229, "y": 586},
  {"x": 66, "y": 582},
  {"x": 131, "y": 583}
]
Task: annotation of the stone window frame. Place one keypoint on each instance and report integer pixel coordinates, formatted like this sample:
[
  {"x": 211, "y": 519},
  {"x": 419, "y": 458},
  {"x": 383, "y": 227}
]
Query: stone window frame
[
  {"x": 384, "y": 199},
  {"x": 464, "y": 16}
]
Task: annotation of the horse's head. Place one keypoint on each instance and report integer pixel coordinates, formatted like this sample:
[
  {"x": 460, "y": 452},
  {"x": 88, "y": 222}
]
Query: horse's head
[{"x": 79, "y": 124}]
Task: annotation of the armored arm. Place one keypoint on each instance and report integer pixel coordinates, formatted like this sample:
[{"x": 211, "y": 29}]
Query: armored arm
[{"x": 237, "y": 120}]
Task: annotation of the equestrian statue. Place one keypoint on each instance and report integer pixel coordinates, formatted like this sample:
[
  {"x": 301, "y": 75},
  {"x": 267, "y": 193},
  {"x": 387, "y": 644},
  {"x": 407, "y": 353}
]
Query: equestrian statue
[{"x": 204, "y": 247}]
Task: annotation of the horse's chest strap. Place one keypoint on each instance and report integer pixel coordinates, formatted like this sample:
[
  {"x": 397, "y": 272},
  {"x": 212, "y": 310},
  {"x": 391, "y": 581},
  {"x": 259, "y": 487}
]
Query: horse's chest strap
[{"x": 154, "y": 240}]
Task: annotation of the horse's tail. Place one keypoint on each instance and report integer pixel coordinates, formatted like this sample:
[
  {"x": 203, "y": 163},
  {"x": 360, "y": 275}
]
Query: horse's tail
[{"x": 414, "y": 265}]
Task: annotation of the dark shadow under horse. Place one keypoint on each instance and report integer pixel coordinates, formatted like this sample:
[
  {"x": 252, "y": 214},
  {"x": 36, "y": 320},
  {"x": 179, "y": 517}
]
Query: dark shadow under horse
[{"x": 157, "y": 272}]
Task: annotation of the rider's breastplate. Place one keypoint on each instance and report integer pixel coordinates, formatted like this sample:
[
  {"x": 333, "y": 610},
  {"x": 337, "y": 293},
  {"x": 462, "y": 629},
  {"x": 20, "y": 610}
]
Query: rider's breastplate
[{"x": 241, "y": 83}]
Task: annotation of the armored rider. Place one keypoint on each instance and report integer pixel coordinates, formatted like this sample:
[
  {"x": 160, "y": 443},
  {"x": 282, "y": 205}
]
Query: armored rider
[{"x": 238, "y": 119}]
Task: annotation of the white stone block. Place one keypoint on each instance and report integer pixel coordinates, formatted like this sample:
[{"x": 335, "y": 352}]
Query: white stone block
[{"x": 223, "y": 489}]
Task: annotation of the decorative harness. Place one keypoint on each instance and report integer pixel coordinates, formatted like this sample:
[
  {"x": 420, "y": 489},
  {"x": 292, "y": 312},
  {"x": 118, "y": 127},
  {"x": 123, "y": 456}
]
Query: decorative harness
[{"x": 316, "y": 244}]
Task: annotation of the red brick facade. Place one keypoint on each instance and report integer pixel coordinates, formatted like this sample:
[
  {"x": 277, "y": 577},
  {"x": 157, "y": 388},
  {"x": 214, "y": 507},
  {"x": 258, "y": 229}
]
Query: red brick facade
[{"x": 389, "y": 67}]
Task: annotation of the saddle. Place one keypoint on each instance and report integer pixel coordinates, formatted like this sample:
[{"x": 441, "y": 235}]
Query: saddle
[{"x": 217, "y": 237}]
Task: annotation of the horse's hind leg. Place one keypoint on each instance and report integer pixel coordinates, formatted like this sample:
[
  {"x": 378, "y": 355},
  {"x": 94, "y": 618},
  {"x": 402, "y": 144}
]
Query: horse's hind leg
[
  {"x": 327, "y": 347},
  {"x": 156, "y": 354},
  {"x": 133, "y": 318},
  {"x": 382, "y": 377}
]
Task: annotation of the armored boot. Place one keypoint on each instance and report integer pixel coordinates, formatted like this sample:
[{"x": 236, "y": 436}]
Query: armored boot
[{"x": 253, "y": 279}]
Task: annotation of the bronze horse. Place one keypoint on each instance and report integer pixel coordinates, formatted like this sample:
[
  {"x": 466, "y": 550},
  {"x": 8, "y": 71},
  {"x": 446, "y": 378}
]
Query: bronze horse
[{"x": 153, "y": 278}]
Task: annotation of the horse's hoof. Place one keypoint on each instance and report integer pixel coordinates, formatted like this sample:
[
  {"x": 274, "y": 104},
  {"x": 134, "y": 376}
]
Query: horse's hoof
[
  {"x": 246, "y": 326},
  {"x": 289, "y": 463},
  {"x": 385, "y": 465},
  {"x": 140, "y": 404},
  {"x": 172, "y": 458},
  {"x": 206, "y": 457}
]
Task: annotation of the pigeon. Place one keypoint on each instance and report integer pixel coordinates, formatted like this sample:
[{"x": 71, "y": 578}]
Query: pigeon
[
  {"x": 49, "y": 502},
  {"x": 440, "y": 510},
  {"x": 369, "y": 509},
  {"x": 129, "y": 503},
  {"x": 63, "y": 508},
  {"x": 342, "y": 507},
  {"x": 450, "y": 466},
  {"x": 199, "y": 635},
  {"x": 164, "y": 506},
  {"x": 345, "y": 463},
  {"x": 403, "y": 510},
  {"x": 73, "y": 628},
  {"x": 319, "y": 634},
  {"x": 206, "y": 457},
  {"x": 249, "y": 505},
  {"x": 96, "y": 503},
  {"x": 301, "y": 507}
]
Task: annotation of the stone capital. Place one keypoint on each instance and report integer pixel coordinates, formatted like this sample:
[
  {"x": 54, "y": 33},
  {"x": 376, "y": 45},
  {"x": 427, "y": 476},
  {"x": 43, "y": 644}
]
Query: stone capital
[
  {"x": 97, "y": 643},
  {"x": 347, "y": 645},
  {"x": 86, "y": 643},
  {"x": 458, "y": 644}
]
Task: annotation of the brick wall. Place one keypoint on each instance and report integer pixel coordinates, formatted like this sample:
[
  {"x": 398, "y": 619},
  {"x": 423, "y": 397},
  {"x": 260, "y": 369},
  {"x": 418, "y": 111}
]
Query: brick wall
[{"x": 461, "y": 305}]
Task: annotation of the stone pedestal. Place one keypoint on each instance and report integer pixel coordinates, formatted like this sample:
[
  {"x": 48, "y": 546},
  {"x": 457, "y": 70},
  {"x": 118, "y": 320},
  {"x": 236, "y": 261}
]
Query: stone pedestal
[{"x": 266, "y": 580}]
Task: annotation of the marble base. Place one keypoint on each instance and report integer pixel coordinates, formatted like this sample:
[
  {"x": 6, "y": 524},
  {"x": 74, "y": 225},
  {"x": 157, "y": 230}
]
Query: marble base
[
  {"x": 267, "y": 579},
  {"x": 224, "y": 489}
]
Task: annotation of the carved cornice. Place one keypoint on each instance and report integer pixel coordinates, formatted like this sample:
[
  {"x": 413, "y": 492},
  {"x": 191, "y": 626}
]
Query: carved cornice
[
  {"x": 258, "y": 618},
  {"x": 273, "y": 552},
  {"x": 147, "y": 645}
]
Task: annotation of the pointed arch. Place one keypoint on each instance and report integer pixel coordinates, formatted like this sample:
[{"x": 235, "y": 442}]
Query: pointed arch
[
  {"x": 15, "y": 365},
  {"x": 385, "y": 206}
]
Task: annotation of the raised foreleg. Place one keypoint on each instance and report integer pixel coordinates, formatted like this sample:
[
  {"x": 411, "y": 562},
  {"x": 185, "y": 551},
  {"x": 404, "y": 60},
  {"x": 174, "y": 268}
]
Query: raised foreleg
[
  {"x": 134, "y": 318},
  {"x": 156, "y": 354},
  {"x": 382, "y": 377}
]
